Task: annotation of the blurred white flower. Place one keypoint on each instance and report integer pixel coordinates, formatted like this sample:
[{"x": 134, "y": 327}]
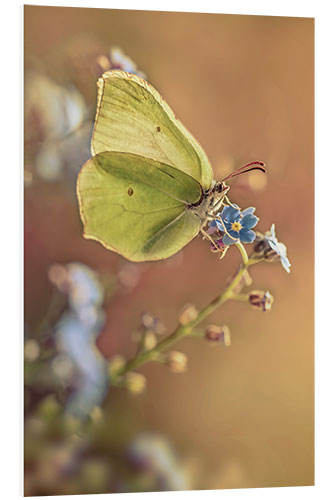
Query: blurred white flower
[
  {"x": 51, "y": 109},
  {"x": 48, "y": 162},
  {"x": 31, "y": 350},
  {"x": 53, "y": 114},
  {"x": 63, "y": 367},
  {"x": 120, "y": 61},
  {"x": 153, "y": 453}
]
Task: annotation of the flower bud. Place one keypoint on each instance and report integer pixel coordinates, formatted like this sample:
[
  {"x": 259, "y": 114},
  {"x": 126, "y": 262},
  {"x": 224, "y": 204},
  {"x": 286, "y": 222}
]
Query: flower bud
[
  {"x": 226, "y": 336},
  {"x": 31, "y": 350},
  {"x": 269, "y": 248},
  {"x": 261, "y": 300},
  {"x": 177, "y": 361},
  {"x": 216, "y": 334},
  {"x": 263, "y": 250},
  {"x": 147, "y": 320},
  {"x": 116, "y": 364},
  {"x": 152, "y": 323},
  {"x": 188, "y": 314},
  {"x": 135, "y": 382},
  {"x": 159, "y": 328},
  {"x": 96, "y": 414},
  {"x": 150, "y": 340},
  {"x": 49, "y": 407},
  {"x": 59, "y": 276},
  {"x": 218, "y": 245}
]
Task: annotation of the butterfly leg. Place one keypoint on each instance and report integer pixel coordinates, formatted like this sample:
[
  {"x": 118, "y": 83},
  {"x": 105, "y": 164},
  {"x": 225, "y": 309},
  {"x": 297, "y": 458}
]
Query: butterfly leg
[
  {"x": 208, "y": 237},
  {"x": 220, "y": 203},
  {"x": 222, "y": 252},
  {"x": 225, "y": 229},
  {"x": 229, "y": 202}
]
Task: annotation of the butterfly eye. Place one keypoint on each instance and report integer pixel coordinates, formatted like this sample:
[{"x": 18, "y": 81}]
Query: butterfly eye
[
  {"x": 158, "y": 129},
  {"x": 130, "y": 191}
]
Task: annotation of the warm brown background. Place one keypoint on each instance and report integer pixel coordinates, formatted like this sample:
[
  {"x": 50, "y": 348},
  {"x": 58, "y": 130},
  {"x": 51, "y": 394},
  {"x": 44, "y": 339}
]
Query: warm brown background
[{"x": 243, "y": 85}]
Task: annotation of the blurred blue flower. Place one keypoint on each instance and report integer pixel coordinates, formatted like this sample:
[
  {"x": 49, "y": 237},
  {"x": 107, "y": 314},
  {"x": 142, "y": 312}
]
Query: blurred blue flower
[
  {"x": 236, "y": 224},
  {"x": 279, "y": 248},
  {"x": 76, "y": 334},
  {"x": 84, "y": 291},
  {"x": 77, "y": 340}
]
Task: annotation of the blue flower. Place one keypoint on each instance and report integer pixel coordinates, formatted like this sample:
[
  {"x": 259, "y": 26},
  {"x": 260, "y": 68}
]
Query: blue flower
[
  {"x": 76, "y": 333},
  {"x": 278, "y": 248},
  {"x": 236, "y": 225}
]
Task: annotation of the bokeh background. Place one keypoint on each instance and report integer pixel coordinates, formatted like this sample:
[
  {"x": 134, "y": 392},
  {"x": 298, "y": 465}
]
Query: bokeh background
[{"x": 240, "y": 416}]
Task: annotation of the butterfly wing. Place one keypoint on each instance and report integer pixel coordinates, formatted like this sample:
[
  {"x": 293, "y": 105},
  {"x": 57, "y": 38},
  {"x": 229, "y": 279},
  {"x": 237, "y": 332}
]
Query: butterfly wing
[
  {"x": 132, "y": 117},
  {"x": 137, "y": 206}
]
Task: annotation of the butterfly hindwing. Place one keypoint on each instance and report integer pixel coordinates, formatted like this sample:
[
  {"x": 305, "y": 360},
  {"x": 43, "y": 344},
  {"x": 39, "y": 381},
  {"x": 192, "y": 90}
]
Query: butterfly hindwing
[{"x": 137, "y": 206}]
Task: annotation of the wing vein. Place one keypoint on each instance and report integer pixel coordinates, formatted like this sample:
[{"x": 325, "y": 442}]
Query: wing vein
[{"x": 173, "y": 221}]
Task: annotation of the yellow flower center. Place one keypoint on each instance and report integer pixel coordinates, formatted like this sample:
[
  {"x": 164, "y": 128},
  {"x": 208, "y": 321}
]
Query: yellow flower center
[{"x": 236, "y": 226}]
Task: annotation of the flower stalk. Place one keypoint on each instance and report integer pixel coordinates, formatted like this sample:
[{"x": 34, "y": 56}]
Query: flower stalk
[
  {"x": 185, "y": 330},
  {"x": 231, "y": 227}
]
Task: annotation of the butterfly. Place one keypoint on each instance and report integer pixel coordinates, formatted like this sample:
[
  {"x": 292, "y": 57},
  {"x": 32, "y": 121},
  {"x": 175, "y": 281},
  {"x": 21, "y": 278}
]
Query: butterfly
[{"x": 148, "y": 188}]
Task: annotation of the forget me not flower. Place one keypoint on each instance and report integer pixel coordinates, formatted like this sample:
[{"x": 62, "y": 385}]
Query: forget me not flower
[
  {"x": 236, "y": 224},
  {"x": 279, "y": 248}
]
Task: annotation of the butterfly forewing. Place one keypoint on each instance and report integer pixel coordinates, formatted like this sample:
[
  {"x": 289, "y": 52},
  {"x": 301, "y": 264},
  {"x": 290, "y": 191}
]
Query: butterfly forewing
[
  {"x": 137, "y": 206},
  {"x": 132, "y": 117}
]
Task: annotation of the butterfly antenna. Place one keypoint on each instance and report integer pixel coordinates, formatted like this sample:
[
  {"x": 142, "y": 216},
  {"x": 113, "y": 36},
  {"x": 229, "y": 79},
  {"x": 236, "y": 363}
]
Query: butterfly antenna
[{"x": 254, "y": 165}]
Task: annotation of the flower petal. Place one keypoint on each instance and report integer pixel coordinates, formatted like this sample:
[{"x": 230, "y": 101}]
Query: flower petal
[
  {"x": 282, "y": 248},
  {"x": 274, "y": 246},
  {"x": 249, "y": 221},
  {"x": 279, "y": 248},
  {"x": 247, "y": 236},
  {"x": 219, "y": 225},
  {"x": 228, "y": 241},
  {"x": 212, "y": 229},
  {"x": 230, "y": 213},
  {"x": 285, "y": 263},
  {"x": 247, "y": 211},
  {"x": 234, "y": 234}
]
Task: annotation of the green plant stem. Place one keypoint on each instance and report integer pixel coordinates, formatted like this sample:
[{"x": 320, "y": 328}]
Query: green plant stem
[
  {"x": 241, "y": 297},
  {"x": 186, "y": 330},
  {"x": 243, "y": 252}
]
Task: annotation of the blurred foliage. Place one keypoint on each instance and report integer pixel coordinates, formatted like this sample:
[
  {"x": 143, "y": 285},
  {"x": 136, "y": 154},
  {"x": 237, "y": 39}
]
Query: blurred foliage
[{"x": 71, "y": 446}]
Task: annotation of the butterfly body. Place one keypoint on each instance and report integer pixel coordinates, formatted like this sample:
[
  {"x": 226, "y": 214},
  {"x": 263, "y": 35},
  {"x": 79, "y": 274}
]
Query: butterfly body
[{"x": 210, "y": 202}]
